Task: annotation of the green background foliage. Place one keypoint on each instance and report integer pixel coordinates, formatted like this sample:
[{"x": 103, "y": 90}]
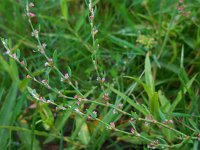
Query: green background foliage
[{"x": 149, "y": 54}]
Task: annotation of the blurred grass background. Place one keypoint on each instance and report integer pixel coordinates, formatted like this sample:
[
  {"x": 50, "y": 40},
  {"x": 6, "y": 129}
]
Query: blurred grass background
[{"x": 128, "y": 29}]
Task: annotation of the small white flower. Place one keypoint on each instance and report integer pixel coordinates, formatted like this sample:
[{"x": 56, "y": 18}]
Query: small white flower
[
  {"x": 35, "y": 33},
  {"x": 61, "y": 79},
  {"x": 46, "y": 64},
  {"x": 31, "y": 4},
  {"x": 44, "y": 45},
  {"x": 7, "y": 52},
  {"x": 114, "y": 111},
  {"x": 94, "y": 112}
]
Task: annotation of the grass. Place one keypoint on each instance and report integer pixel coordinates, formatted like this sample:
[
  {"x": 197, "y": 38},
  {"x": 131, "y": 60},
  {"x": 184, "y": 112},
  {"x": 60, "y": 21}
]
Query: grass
[{"x": 114, "y": 74}]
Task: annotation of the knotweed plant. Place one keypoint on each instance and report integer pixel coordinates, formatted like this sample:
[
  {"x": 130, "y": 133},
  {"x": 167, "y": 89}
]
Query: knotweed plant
[{"x": 140, "y": 122}]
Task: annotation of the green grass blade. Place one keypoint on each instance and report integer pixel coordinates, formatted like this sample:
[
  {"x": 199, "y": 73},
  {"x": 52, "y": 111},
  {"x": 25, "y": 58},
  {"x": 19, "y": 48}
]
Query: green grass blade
[
  {"x": 6, "y": 113},
  {"x": 130, "y": 101},
  {"x": 64, "y": 9},
  {"x": 179, "y": 96}
]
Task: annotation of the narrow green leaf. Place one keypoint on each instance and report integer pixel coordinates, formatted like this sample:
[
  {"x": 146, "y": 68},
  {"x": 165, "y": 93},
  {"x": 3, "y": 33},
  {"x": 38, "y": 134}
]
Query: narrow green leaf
[
  {"x": 126, "y": 44},
  {"x": 18, "y": 53},
  {"x": 179, "y": 96},
  {"x": 6, "y": 113},
  {"x": 165, "y": 103},
  {"x": 55, "y": 56},
  {"x": 69, "y": 71},
  {"x": 148, "y": 75},
  {"x": 154, "y": 104},
  {"x": 64, "y": 9},
  {"x": 47, "y": 116},
  {"x": 84, "y": 134},
  {"x": 81, "y": 21},
  {"x": 91, "y": 113},
  {"x": 130, "y": 101}
]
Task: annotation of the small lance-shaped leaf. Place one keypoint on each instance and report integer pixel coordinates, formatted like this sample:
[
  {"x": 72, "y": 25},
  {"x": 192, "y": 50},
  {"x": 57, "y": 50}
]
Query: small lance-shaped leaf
[
  {"x": 146, "y": 88},
  {"x": 55, "y": 56},
  {"x": 6, "y": 113},
  {"x": 81, "y": 20},
  {"x": 33, "y": 93},
  {"x": 165, "y": 103},
  {"x": 179, "y": 96},
  {"x": 69, "y": 71},
  {"x": 10, "y": 68},
  {"x": 153, "y": 96},
  {"x": 84, "y": 134},
  {"x": 64, "y": 8},
  {"x": 134, "y": 114},
  {"x": 18, "y": 53},
  {"x": 154, "y": 104},
  {"x": 47, "y": 116},
  {"x": 130, "y": 101},
  {"x": 148, "y": 75},
  {"x": 124, "y": 43}
]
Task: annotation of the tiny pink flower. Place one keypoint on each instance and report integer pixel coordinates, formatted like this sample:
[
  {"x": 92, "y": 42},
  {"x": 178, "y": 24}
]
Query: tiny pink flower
[
  {"x": 105, "y": 97},
  {"x": 66, "y": 76},
  {"x": 32, "y": 106},
  {"x": 44, "y": 81},
  {"x": 181, "y": 1},
  {"x": 91, "y": 17},
  {"x": 76, "y": 96},
  {"x": 112, "y": 124},
  {"x": 22, "y": 62},
  {"x": 198, "y": 137},
  {"x": 41, "y": 98},
  {"x": 78, "y": 102},
  {"x": 103, "y": 80},
  {"x": 50, "y": 60},
  {"x": 89, "y": 118},
  {"x": 180, "y": 8},
  {"x": 132, "y": 130},
  {"x": 14, "y": 56},
  {"x": 31, "y": 15},
  {"x": 148, "y": 146}
]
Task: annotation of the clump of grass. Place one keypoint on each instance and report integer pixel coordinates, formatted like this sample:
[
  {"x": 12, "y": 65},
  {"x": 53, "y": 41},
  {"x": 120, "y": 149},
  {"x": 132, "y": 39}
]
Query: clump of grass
[{"x": 110, "y": 93}]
